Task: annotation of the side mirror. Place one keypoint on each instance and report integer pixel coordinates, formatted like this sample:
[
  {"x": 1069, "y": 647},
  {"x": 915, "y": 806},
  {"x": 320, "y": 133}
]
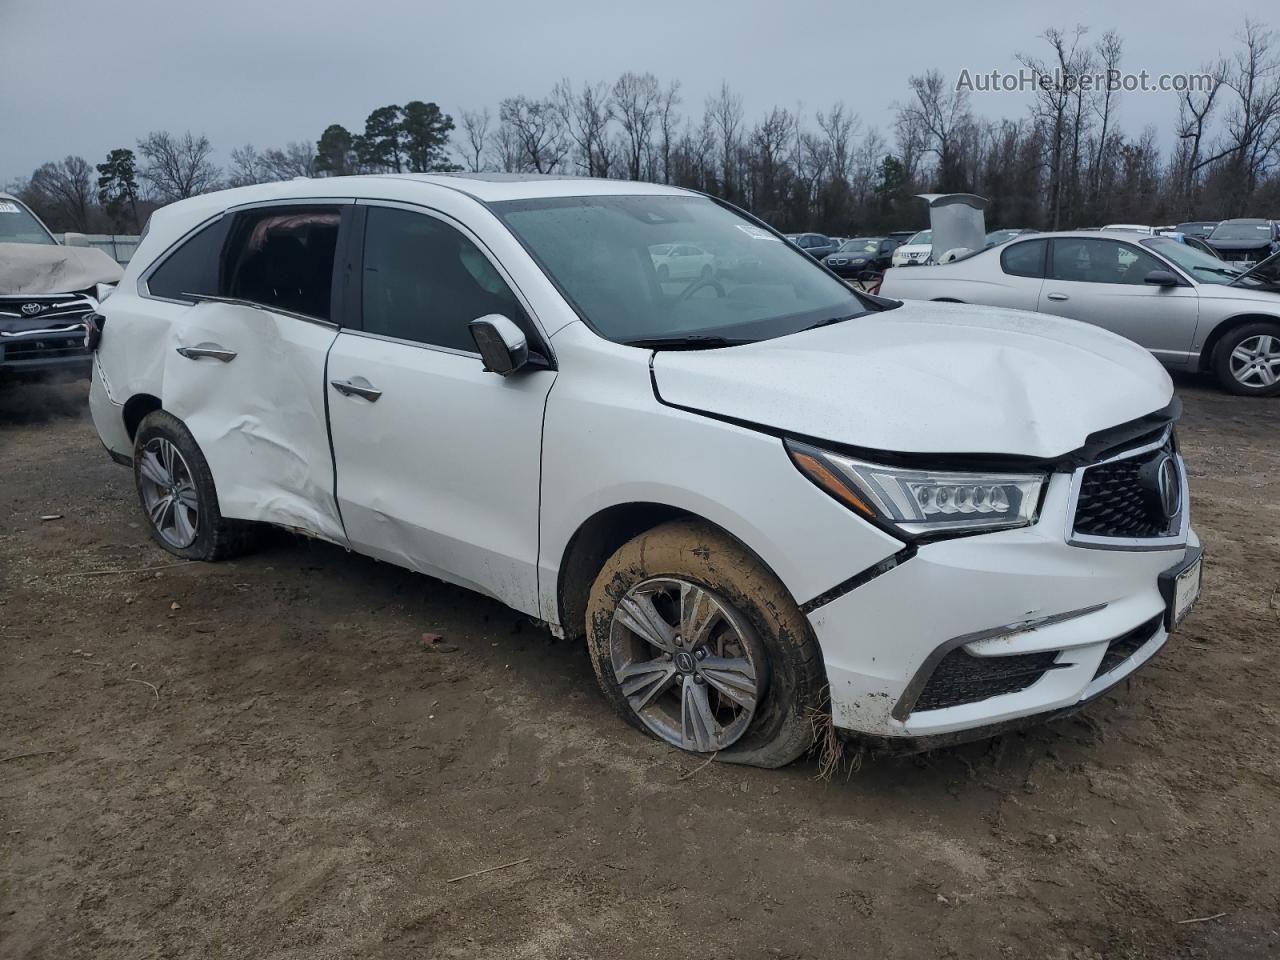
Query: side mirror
[
  {"x": 74, "y": 240},
  {"x": 501, "y": 343},
  {"x": 1161, "y": 278}
]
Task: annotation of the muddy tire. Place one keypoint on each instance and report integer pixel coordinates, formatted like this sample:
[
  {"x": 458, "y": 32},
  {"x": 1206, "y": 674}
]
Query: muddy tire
[
  {"x": 1240, "y": 356},
  {"x": 772, "y": 667},
  {"x": 177, "y": 495}
]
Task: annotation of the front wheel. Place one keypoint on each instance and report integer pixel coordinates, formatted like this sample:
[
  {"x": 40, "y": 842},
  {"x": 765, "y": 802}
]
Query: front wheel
[
  {"x": 175, "y": 488},
  {"x": 695, "y": 642},
  {"x": 1247, "y": 360}
]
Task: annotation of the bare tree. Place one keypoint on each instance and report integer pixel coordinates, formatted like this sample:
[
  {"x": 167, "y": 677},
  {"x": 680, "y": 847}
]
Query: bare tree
[
  {"x": 1109, "y": 51},
  {"x": 725, "y": 110},
  {"x": 1052, "y": 109},
  {"x": 667, "y": 120},
  {"x": 586, "y": 116},
  {"x": 1195, "y": 109},
  {"x": 247, "y": 167},
  {"x": 1253, "y": 125},
  {"x": 538, "y": 131},
  {"x": 940, "y": 113},
  {"x": 65, "y": 190},
  {"x": 297, "y": 159},
  {"x": 636, "y": 99},
  {"x": 475, "y": 127},
  {"x": 177, "y": 167}
]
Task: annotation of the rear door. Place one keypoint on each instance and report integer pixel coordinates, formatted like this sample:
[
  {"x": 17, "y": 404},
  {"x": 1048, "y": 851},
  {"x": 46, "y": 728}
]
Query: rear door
[
  {"x": 1101, "y": 281},
  {"x": 246, "y": 368},
  {"x": 438, "y": 461}
]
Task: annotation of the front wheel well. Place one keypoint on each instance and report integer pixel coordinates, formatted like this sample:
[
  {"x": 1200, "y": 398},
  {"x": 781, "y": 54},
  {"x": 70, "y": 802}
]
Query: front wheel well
[
  {"x": 599, "y": 538},
  {"x": 136, "y": 408},
  {"x": 1225, "y": 327}
]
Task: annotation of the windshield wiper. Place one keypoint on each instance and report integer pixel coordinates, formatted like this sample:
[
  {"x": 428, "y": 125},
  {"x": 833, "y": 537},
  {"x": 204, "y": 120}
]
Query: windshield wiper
[
  {"x": 828, "y": 322},
  {"x": 692, "y": 341},
  {"x": 1221, "y": 271}
]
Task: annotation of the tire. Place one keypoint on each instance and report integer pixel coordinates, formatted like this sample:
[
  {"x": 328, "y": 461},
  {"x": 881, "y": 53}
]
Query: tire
[
  {"x": 211, "y": 537},
  {"x": 1249, "y": 335},
  {"x": 761, "y": 623}
]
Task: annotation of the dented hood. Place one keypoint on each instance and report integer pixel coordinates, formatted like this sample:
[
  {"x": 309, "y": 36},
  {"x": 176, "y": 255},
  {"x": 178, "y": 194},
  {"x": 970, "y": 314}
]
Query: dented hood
[
  {"x": 49, "y": 268},
  {"x": 928, "y": 378}
]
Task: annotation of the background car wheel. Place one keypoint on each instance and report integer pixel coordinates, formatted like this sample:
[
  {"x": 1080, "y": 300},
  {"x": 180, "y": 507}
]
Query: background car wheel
[
  {"x": 696, "y": 643},
  {"x": 1247, "y": 360},
  {"x": 177, "y": 494}
]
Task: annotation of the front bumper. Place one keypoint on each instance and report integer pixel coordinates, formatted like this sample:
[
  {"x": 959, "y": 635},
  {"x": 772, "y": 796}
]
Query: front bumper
[
  {"x": 1020, "y": 593},
  {"x": 45, "y": 350}
]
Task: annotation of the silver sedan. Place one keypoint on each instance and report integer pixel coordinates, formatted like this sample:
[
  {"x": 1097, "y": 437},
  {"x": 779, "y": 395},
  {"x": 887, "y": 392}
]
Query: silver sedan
[{"x": 1190, "y": 309}]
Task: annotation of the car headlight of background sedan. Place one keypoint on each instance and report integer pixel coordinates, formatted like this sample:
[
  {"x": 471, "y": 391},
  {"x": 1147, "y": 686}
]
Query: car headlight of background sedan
[{"x": 923, "y": 502}]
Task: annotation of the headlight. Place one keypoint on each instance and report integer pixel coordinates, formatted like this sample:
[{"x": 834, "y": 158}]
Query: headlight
[{"x": 922, "y": 502}]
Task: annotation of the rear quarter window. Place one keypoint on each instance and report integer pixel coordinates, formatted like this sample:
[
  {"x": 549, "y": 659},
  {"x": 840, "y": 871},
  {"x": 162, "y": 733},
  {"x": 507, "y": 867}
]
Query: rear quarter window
[
  {"x": 191, "y": 267},
  {"x": 1025, "y": 259}
]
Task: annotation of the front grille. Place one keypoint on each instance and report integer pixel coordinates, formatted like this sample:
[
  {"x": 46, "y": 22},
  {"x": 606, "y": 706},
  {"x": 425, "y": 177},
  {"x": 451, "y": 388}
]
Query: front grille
[
  {"x": 1126, "y": 645},
  {"x": 963, "y": 678},
  {"x": 1122, "y": 498},
  {"x": 46, "y": 348}
]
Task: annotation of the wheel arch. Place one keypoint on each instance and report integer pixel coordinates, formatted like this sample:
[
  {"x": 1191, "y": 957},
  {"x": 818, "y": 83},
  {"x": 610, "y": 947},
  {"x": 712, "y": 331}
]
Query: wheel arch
[
  {"x": 136, "y": 408},
  {"x": 599, "y": 536},
  {"x": 1205, "y": 363}
]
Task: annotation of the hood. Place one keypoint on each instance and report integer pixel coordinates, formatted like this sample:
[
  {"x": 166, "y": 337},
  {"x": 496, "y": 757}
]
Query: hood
[
  {"x": 957, "y": 221},
  {"x": 928, "y": 378},
  {"x": 33, "y": 268}
]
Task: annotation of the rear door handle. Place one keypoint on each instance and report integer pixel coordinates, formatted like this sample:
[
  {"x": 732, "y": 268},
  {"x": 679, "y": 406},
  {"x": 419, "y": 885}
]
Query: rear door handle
[
  {"x": 357, "y": 387},
  {"x": 1058, "y": 296},
  {"x": 213, "y": 350}
]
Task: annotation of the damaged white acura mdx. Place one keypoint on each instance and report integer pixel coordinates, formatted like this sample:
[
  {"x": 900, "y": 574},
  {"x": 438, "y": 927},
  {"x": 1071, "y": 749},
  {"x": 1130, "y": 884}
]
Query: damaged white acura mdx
[{"x": 762, "y": 498}]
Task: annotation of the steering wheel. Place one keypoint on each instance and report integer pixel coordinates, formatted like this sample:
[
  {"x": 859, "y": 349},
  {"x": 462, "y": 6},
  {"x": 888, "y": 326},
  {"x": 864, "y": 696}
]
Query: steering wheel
[{"x": 697, "y": 285}]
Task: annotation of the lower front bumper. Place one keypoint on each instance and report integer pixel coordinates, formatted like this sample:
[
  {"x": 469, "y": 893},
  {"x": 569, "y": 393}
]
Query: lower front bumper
[{"x": 1014, "y": 597}]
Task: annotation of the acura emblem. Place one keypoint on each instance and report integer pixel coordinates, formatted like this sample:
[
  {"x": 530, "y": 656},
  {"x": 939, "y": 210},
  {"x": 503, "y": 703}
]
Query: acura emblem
[
  {"x": 31, "y": 309},
  {"x": 1169, "y": 487}
]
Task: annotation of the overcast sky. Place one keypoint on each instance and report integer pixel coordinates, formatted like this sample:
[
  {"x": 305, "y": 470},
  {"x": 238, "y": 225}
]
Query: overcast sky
[{"x": 82, "y": 77}]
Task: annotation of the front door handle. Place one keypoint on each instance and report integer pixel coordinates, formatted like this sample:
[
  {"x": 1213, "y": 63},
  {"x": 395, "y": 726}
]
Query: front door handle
[
  {"x": 357, "y": 387},
  {"x": 1058, "y": 296},
  {"x": 214, "y": 351}
]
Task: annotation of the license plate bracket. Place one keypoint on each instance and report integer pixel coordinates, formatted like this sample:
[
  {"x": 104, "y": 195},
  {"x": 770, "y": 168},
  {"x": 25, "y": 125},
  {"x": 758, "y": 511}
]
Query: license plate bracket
[{"x": 1180, "y": 587}]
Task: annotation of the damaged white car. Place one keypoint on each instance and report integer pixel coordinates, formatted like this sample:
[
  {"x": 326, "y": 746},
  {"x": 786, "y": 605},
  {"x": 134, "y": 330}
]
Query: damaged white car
[
  {"x": 46, "y": 292},
  {"x": 761, "y": 499}
]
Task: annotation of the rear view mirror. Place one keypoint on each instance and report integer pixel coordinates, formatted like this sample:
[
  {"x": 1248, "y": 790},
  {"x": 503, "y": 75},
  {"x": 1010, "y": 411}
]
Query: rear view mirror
[
  {"x": 1161, "y": 278},
  {"x": 502, "y": 344}
]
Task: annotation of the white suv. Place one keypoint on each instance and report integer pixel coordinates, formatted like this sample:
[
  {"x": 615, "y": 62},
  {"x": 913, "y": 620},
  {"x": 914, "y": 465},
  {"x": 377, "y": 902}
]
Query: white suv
[{"x": 762, "y": 500}]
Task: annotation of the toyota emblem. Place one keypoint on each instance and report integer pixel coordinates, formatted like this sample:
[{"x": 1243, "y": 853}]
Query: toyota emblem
[
  {"x": 1169, "y": 486},
  {"x": 31, "y": 309}
]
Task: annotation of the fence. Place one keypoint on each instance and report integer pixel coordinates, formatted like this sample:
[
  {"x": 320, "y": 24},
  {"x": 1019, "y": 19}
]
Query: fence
[{"x": 119, "y": 247}]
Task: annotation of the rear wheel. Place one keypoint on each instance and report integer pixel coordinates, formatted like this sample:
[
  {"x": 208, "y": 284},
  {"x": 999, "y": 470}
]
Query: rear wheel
[
  {"x": 696, "y": 643},
  {"x": 175, "y": 488},
  {"x": 1247, "y": 360}
]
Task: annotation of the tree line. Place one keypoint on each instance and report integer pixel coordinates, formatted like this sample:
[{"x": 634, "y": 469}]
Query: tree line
[{"x": 1065, "y": 162}]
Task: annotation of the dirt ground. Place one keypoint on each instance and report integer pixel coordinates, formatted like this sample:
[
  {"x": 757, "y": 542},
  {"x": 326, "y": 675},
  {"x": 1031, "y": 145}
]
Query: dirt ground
[{"x": 263, "y": 759}]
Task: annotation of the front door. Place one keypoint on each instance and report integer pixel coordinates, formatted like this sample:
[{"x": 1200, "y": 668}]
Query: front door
[
  {"x": 438, "y": 462},
  {"x": 245, "y": 368},
  {"x": 1100, "y": 281}
]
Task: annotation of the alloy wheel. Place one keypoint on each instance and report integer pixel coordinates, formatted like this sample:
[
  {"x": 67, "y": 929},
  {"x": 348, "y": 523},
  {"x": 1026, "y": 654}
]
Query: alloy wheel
[
  {"x": 688, "y": 663},
  {"x": 1255, "y": 362},
  {"x": 169, "y": 493}
]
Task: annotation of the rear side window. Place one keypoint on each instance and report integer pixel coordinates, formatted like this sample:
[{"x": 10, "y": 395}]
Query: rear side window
[
  {"x": 1024, "y": 259},
  {"x": 192, "y": 268},
  {"x": 283, "y": 258},
  {"x": 424, "y": 281}
]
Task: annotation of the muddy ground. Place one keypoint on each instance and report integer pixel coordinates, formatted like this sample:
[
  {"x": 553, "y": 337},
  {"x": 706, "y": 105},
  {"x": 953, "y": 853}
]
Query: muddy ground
[{"x": 263, "y": 759}]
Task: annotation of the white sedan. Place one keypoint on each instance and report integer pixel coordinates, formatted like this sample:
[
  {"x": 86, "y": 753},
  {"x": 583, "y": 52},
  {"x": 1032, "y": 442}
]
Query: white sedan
[
  {"x": 681, "y": 261},
  {"x": 759, "y": 503},
  {"x": 1190, "y": 309}
]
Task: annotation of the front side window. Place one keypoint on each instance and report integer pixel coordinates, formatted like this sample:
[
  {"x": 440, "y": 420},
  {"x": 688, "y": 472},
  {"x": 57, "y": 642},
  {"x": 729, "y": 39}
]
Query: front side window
[
  {"x": 597, "y": 251},
  {"x": 424, "y": 281},
  {"x": 1100, "y": 261},
  {"x": 19, "y": 225},
  {"x": 282, "y": 258},
  {"x": 1024, "y": 259}
]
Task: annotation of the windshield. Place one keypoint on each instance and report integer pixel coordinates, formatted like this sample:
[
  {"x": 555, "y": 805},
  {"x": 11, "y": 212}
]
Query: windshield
[
  {"x": 996, "y": 237},
  {"x": 1202, "y": 266},
  {"x": 861, "y": 245},
  {"x": 1249, "y": 230},
  {"x": 749, "y": 286},
  {"x": 923, "y": 237},
  {"x": 17, "y": 225}
]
